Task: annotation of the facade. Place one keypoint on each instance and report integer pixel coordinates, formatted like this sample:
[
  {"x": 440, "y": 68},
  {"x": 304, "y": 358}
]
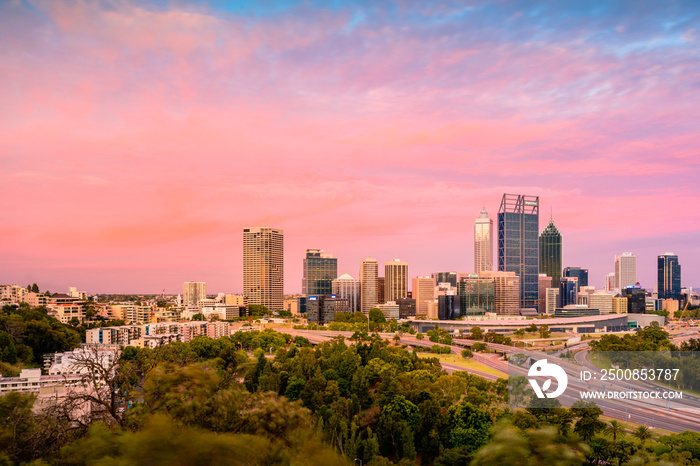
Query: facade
[
  {"x": 395, "y": 280},
  {"x": 625, "y": 270},
  {"x": 348, "y": 288},
  {"x": 322, "y": 309},
  {"x": 449, "y": 307},
  {"x": 390, "y": 309},
  {"x": 601, "y": 301},
  {"x": 320, "y": 269},
  {"x": 543, "y": 282},
  {"x": 369, "y": 297},
  {"x": 619, "y": 305},
  {"x": 381, "y": 290},
  {"x": 192, "y": 292},
  {"x": 263, "y": 267},
  {"x": 423, "y": 292},
  {"x": 518, "y": 246},
  {"x": 568, "y": 292},
  {"x": 407, "y": 307},
  {"x": 610, "y": 281},
  {"x": 477, "y": 294},
  {"x": 483, "y": 243},
  {"x": 636, "y": 299},
  {"x": 579, "y": 273},
  {"x": 551, "y": 253},
  {"x": 507, "y": 296},
  {"x": 669, "y": 276},
  {"x": 445, "y": 277},
  {"x": 552, "y": 300}
]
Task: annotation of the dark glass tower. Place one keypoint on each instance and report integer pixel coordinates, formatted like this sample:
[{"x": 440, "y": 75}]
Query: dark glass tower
[
  {"x": 577, "y": 272},
  {"x": 550, "y": 253},
  {"x": 568, "y": 291},
  {"x": 320, "y": 269},
  {"x": 518, "y": 248},
  {"x": 445, "y": 277},
  {"x": 669, "y": 276}
]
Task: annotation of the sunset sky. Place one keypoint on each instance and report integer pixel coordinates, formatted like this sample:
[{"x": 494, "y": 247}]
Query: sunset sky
[{"x": 138, "y": 139}]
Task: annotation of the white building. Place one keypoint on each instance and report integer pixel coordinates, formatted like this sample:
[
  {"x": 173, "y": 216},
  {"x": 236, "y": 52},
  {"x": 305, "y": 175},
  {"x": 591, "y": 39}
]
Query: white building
[
  {"x": 193, "y": 292},
  {"x": 348, "y": 288},
  {"x": 483, "y": 243},
  {"x": 625, "y": 270},
  {"x": 395, "y": 280},
  {"x": 368, "y": 283}
]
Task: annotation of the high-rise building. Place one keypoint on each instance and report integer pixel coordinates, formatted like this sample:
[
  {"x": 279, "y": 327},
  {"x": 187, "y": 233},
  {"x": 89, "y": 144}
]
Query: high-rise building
[
  {"x": 483, "y": 243},
  {"x": 577, "y": 272},
  {"x": 551, "y": 300},
  {"x": 322, "y": 309},
  {"x": 449, "y": 306},
  {"x": 619, "y": 305},
  {"x": 423, "y": 292},
  {"x": 477, "y": 294},
  {"x": 518, "y": 246},
  {"x": 625, "y": 270},
  {"x": 669, "y": 276},
  {"x": 506, "y": 297},
  {"x": 192, "y": 292},
  {"x": 407, "y": 307},
  {"x": 263, "y": 267},
  {"x": 320, "y": 269},
  {"x": 381, "y": 290},
  {"x": 445, "y": 277},
  {"x": 610, "y": 281},
  {"x": 551, "y": 252},
  {"x": 396, "y": 280},
  {"x": 636, "y": 299},
  {"x": 348, "y": 288},
  {"x": 368, "y": 284},
  {"x": 544, "y": 282},
  {"x": 568, "y": 291}
]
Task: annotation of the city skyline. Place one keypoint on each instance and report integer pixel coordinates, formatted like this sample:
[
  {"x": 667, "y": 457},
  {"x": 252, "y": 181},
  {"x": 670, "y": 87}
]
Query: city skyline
[{"x": 139, "y": 139}]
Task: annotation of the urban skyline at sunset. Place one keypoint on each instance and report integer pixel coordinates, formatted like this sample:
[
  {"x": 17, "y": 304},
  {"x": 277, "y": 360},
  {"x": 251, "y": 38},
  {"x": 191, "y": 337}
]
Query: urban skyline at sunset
[{"x": 139, "y": 139}]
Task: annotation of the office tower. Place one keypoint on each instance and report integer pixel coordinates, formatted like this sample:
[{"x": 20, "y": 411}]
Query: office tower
[
  {"x": 477, "y": 294},
  {"x": 449, "y": 306},
  {"x": 568, "y": 291},
  {"x": 407, "y": 307},
  {"x": 636, "y": 299},
  {"x": 483, "y": 243},
  {"x": 669, "y": 276},
  {"x": 552, "y": 300},
  {"x": 550, "y": 253},
  {"x": 577, "y": 272},
  {"x": 610, "y": 282},
  {"x": 506, "y": 300},
  {"x": 518, "y": 247},
  {"x": 601, "y": 301},
  {"x": 625, "y": 270},
  {"x": 263, "y": 267},
  {"x": 322, "y": 309},
  {"x": 423, "y": 292},
  {"x": 543, "y": 282},
  {"x": 381, "y": 290},
  {"x": 390, "y": 309},
  {"x": 445, "y": 277},
  {"x": 320, "y": 269},
  {"x": 395, "y": 280},
  {"x": 619, "y": 305},
  {"x": 348, "y": 288},
  {"x": 368, "y": 284},
  {"x": 192, "y": 292}
]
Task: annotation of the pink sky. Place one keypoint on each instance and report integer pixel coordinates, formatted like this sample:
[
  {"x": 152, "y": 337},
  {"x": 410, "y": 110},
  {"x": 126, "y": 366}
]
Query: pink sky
[{"x": 137, "y": 142}]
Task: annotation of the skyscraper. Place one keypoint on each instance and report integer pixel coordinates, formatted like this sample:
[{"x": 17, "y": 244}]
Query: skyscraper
[
  {"x": 368, "y": 284},
  {"x": 395, "y": 280},
  {"x": 348, "y": 288},
  {"x": 506, "y": 297},
  {"x": 483, "y": 243},
  {"x": 423, "y": 292},
  {"x": 518, "y": 247},
  {"x": 577, "y": 272},
  {"x": 568, "y": 291},
  {"x": 192, "y": 292},
  {"x": 625, "y": 270},
  {"x": 263, "y": 266},
  {"x": 550, "y": 253},
  {"x": 544, "y": 282},
  {"x": 446, "y": 277},
  {"x": 320, "y": 269},
  {"x": 669, "y": 276}
]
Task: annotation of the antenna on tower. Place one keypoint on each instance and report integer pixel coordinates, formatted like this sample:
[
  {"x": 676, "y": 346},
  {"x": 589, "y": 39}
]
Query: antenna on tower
[{"x": 551, "y": 213}]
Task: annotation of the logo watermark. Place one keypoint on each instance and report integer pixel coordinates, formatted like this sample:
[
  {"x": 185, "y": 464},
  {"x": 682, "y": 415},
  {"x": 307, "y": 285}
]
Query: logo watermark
[{"x": 544, "y": 368}]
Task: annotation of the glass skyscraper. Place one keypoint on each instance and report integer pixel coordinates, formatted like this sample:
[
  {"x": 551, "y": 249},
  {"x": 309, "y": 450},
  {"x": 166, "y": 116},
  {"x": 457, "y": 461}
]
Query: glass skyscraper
[
  {"x": 320, "y": 269},
  {"x": 577, "y": 272},
  {"x": 518, "y": 247},
  {"x": 550, "y": 253},
  {"x": 669, "y": 276}
]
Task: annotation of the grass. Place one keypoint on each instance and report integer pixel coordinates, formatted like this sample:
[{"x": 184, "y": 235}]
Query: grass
[{"x": 458, "y": 360}]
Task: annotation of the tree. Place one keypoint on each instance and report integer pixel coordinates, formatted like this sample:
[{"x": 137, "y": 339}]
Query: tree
[
  {"x": 642, "y": 433},
  {"x": 199, "y": 316},
  {"x": 478, "y": 347},
  {"x": 376, "y": 315},
  {"x": 35, "y": 288},
  {"x": 466, "y": 353},
  {"x": 615, "y": 428},
  {"x": 519, "y": 333},
  {"x": 477, "y": 333},
  {"x": 544, "y": 331},
  {"x": 419, "y": 336},
  {"x": 588, "y": 423}
]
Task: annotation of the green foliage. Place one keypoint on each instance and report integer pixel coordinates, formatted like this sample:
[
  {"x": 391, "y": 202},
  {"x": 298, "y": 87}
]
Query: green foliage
[
  {"x": 376, "y": 315},
  {"x": 467, "y": 353},
  {"x": 477, "y": 333},
  {"x": 258, "y": 310}
]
